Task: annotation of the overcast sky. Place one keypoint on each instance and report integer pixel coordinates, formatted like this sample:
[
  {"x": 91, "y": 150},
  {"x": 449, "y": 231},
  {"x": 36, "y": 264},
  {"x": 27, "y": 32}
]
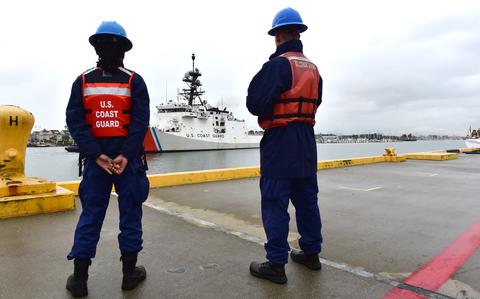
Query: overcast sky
[{"x": 388, "y": 66}]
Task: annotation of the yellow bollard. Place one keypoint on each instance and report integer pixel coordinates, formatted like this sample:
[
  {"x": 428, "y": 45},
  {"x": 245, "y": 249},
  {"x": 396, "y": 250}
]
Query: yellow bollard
[
  {"x": 21, "y": 195},
  {"x": 391, "y": 156},
  {"x": 15, "y": 126},
  {"x": 390, "y": 152}
]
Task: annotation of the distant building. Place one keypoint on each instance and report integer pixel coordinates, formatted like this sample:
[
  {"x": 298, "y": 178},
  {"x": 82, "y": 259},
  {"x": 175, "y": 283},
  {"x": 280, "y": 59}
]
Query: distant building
[{"x": 51, "y": 137}]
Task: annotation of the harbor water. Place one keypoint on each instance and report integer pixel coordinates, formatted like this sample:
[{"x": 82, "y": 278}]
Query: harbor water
[{"x": 56, "y": 164}]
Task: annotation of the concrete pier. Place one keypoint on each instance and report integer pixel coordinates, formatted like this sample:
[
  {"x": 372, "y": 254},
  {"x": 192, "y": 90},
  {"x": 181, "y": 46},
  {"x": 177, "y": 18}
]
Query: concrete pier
[{"x": 381, "y": 222}]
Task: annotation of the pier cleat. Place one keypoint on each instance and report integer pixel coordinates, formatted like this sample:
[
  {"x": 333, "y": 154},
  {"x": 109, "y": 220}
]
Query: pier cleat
[
  {"x": 77, "y": 282},
  {"x": 270, "y": 271},
  {"x": 132, "y": 275},
  {"x": 309, "y": 260}
]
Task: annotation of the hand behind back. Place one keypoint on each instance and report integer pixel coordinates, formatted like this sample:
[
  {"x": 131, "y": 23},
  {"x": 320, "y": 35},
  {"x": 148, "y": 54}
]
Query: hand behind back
[
  {"x": 116, "y": 166},
  {"x": 105, "y": 162},
  {"x": 119, "y": 164}
]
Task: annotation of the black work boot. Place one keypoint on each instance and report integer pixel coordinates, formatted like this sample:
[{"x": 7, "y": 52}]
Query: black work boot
[
  {"x": 77, "y": 282},
  {"x": 268, "y": 270},
  {"x": 310, "y": 260},
  {"x": 132, "y": 274}
]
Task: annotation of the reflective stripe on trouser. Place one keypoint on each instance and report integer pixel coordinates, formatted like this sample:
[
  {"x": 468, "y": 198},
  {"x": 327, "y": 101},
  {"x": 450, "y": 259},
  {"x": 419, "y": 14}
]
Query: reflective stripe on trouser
[
  {"x": 275, "y": 199},
  {"x": 132, "y": 188}
]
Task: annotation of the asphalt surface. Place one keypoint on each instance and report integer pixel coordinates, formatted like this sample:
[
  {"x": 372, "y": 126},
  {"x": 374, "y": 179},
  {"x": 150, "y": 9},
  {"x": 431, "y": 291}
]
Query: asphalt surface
[{"x": 383, "y": 220}]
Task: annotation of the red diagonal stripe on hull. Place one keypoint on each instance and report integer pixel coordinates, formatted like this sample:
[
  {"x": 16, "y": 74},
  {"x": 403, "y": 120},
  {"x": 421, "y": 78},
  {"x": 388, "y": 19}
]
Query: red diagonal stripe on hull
[{"x": 149, "y": 143}]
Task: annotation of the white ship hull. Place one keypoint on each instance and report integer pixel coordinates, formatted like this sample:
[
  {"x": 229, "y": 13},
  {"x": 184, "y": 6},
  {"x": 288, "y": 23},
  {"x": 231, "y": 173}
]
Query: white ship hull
[
  {"x": 472, "y": 143},
  {"x": 173, "y": 142}
]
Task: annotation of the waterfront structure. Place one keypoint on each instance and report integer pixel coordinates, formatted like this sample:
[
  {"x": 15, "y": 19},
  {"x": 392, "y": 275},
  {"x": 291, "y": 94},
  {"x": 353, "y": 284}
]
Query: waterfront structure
[
  {"x": 378, "y": 137},
  {"x": 50, "y": 138}
]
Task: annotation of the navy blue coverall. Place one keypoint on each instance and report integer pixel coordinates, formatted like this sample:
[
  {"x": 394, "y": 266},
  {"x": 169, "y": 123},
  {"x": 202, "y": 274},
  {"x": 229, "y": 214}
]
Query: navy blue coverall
[
  {"x": 94, "y": 191},
  {"x": 288, "y": 163}
]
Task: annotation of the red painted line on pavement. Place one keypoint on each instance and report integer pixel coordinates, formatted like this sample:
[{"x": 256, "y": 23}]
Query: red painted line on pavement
[{"x": 437, "y": 271}]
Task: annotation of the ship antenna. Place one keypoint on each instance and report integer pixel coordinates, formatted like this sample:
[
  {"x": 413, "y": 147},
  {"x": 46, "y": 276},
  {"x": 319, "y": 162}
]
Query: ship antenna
[
  {"x": 194, "y": 85},
  {"x": 193, "y": 61}
]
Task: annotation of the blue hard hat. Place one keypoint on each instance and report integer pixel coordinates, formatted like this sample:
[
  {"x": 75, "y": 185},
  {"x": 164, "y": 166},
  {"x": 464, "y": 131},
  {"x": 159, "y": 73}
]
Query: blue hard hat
[
  {"x": 111, "y": 28},
  {"x": 287, "y": 16}
]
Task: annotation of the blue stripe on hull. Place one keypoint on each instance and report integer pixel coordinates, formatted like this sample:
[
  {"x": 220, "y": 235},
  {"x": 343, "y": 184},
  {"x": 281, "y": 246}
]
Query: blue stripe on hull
[{"x": 154, "y": 134}]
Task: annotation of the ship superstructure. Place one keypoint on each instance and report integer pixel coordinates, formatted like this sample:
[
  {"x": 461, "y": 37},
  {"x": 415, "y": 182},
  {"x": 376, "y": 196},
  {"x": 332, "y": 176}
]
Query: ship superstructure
[{"x": 190, "y": 123}]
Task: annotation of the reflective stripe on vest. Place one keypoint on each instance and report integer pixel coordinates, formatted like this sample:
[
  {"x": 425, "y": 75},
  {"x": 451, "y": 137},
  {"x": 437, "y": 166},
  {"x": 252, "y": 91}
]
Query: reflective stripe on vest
[
  {"x": 108, "y": 105},
  {"x": 299, "y": 103}
]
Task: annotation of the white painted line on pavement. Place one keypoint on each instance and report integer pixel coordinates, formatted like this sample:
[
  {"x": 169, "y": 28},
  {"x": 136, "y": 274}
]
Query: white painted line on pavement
[
  {"x": 429, "y": 174},
  {"x": 374, "y": 188},
  {"x": 202, "y": 223},
  {"x": 359, "y": 189}
]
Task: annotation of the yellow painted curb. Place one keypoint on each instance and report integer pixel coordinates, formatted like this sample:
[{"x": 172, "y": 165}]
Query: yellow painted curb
[
  {"x": 469, "y": 150},
  {"x": 458, "y": 150},
  {"x": 328, "y": 164},
  {"x": 194, "y": 177},
  {"x": 24, "y": 205},
  {"x": 187, "y": 177},
  {"x": 212, "y": 175},
  {"x": 433, "y": 156},
  {"x": 203, "y": 176}
]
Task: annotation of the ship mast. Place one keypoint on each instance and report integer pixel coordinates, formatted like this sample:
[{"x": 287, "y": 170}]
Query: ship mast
[{"x": 194, "y": 85}]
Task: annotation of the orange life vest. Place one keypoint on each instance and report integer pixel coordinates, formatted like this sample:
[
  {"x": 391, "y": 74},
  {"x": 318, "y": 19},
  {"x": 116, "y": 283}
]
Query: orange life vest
[
  {"x": 107, "y": 101},
  {"x": 300, "y": 102}
]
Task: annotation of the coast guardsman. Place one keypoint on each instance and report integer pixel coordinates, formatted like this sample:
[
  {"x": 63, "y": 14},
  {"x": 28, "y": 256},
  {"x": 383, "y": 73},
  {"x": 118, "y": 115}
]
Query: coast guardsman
[
  {"x": 108, "y": 116},
  {"x": 285, "y": 95}
]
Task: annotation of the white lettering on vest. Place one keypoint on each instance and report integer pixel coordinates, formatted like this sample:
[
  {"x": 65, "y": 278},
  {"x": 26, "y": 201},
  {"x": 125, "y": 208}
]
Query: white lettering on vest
[
  {"x": 107, "y": 124},
  {"x": 303, "y": 64},
  {"x": 106, "y": 104},
  {"x": 106, "y": 114}
]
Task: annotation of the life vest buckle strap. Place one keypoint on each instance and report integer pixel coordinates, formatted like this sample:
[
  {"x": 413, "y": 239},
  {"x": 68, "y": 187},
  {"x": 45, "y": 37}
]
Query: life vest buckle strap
[
  {"x": 292, "y": 115},
  {"x": 300, "y": 103},
  {"x": 293, "y": 100}
]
